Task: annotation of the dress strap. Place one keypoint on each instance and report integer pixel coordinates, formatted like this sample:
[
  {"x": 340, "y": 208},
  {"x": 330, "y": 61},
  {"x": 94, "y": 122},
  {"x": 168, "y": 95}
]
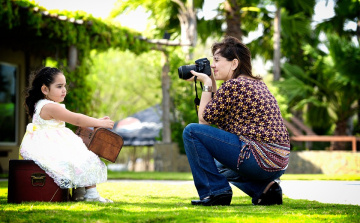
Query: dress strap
[{"x": 40, "y": 104}]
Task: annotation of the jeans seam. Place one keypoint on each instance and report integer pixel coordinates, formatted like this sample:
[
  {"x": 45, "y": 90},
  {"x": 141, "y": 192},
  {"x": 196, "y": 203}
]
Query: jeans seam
[
  {"x": 210, "y": 136},
  {"x": 197, "y": 159},
  {"x": 215, "y": 138}
]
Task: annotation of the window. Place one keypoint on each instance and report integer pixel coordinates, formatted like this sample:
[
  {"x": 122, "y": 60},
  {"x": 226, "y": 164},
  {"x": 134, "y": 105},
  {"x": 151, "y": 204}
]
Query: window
[{"x": 8, "y": 104}]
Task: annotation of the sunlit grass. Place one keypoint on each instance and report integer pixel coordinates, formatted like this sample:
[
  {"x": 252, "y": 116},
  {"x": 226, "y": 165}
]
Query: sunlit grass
[
  {"x": 188, "y": 176},
  {"x": 170, "y": 202}
]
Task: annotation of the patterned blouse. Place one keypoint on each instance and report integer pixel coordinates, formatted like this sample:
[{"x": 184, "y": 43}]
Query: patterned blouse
[{"x": 247, "y": 108}]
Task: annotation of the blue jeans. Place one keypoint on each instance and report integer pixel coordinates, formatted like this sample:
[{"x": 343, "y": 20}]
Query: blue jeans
[{"x": 213, "y": 156}]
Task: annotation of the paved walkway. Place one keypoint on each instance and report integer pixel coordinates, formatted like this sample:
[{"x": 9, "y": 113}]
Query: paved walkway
[{"x": 337, "y": 192}]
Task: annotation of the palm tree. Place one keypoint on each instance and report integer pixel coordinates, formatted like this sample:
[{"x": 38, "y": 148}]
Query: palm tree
[
  {"x": 345, "y": 11},
  {"x": 284, "y": 32},
  {"x": 277, "y": 46},
  {"x": 326, "y": 88},
  {"x": 168, "y": 15},
  {"x": 233, "y": 19}
]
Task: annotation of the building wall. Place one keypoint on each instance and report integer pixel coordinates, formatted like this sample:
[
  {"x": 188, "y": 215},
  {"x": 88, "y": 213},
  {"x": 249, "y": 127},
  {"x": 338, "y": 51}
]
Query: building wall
[
  {"x": 168, "y": 159},
  {"x": 25, "y": 63},
  {"x": 324, "y": 162}
]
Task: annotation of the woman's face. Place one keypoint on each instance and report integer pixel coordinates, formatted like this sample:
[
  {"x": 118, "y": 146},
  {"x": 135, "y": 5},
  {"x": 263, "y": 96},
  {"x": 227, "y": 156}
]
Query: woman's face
[
  {"x": 222, "y": 67},
  {"x": 57, "y": 91}
]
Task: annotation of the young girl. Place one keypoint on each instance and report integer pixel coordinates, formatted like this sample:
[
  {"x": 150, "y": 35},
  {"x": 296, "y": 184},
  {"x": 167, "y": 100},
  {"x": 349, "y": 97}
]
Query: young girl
[{"x": 52, "y": 146}]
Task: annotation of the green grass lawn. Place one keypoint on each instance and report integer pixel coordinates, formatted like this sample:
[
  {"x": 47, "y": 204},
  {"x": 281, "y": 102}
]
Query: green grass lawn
[
  {"x": 188, "y": 176},
  {"x": 169, "y": 202}
]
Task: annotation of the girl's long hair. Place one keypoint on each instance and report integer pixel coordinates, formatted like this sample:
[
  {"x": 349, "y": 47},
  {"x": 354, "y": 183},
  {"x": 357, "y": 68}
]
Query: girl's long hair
[
  {"x": 44, "y": 76},
  {"x": 231, "y": 48}
]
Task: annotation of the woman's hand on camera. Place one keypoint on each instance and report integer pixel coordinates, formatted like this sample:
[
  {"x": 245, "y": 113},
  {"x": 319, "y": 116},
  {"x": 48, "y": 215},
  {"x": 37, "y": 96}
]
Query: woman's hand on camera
[
  {"x": 191, "y": 79},
  {"x": 213, "y": 75},
  {"x": 205, "y": 79}
]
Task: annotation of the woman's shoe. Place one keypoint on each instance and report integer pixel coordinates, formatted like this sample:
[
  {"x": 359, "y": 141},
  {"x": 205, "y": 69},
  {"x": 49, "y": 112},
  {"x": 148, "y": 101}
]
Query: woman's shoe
[
  {"x": 213, "y": 200},
  {"x": 272, "y": 196}
]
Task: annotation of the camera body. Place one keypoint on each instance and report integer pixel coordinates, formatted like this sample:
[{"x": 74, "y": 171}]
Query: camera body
[{"x": 201, "y": 65}]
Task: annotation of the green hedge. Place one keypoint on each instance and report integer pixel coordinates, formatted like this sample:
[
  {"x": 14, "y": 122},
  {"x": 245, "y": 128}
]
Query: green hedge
[{"x": 29, "y": 27}]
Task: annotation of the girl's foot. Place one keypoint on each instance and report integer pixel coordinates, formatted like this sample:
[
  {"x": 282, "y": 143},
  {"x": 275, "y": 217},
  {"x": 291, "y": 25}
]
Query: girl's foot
[
  {"x": 93, "y": 195},
  {"x": 99, "y": 199}
]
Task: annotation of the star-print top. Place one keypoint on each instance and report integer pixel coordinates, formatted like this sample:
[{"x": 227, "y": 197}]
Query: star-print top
[{"x": 247, "y": 108}]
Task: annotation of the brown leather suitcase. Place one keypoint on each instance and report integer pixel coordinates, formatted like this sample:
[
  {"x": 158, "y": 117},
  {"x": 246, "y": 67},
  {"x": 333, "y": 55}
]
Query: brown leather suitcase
[
  {"x": 28, "y": 182},
  {"x": 101, "y": 141}
]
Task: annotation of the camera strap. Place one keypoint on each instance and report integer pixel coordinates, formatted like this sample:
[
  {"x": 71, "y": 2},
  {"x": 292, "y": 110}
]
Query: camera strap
[{"x": 197, "y": 100}]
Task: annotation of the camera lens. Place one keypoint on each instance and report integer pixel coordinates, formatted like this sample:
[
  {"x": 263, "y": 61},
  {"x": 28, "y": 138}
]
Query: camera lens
[{"x": 184, "y": 71}]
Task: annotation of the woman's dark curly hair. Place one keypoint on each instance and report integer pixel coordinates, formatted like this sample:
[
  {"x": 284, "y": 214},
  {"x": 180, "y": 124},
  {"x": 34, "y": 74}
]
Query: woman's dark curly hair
[
  {"x": 44, "y": 76},
  {"x": 231, "y": 48}
]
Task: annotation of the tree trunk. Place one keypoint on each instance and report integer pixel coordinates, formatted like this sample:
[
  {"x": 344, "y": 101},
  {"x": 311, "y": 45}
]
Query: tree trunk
[
  {"x": 133, "y": 159},
  {"x": 358, "y": 114},
  {"x": 165, "y": 85},
  {"x": 277, "y": 46},
  {"x": 358, "y": 30},
  {"x": 358, "y": 39},
  {"x": 188, "y": 25},
  {"x": 340, "y": 130},
  {"x": 72, "y": 57},
  {"x": 233, "y": 19}
]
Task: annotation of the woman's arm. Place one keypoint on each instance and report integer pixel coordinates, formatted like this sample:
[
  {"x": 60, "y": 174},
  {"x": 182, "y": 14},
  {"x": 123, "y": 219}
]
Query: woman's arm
[
  {"x": 56, "y": 111},
  {"x": 205, "y": 96}
]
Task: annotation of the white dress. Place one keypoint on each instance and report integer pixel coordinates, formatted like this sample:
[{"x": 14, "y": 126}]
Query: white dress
[{"x": 60, "y": 152}]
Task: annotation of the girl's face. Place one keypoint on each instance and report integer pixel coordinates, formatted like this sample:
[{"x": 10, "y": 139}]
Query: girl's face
[
  {"x": 57, "y": 91},
  {"x": 223, "y": 69}
]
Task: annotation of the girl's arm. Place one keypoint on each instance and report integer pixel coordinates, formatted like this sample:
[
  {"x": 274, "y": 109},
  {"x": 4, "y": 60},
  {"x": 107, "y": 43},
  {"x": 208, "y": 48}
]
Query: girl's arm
[{"x": 56, "y": 111}]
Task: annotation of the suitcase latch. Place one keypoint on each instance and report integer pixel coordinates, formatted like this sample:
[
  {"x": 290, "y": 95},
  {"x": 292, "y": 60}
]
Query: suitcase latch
[{"x": 38, "y": 179}]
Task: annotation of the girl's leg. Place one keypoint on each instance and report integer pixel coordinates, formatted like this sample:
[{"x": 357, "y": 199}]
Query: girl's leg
[
  {"x": 203, "y": 143},
  {"x": 78, "y": 194}
]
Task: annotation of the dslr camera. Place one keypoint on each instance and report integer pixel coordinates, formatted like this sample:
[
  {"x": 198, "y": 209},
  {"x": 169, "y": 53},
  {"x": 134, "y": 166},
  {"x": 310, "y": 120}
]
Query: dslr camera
[{"x": 201, "y": 65}]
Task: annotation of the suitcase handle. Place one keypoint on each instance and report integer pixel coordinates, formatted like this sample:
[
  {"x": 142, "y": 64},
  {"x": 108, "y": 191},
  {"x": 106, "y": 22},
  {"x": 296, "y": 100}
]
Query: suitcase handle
[
  {"x": 38, "y": 179},
  {"x": 78, "y": 132}
]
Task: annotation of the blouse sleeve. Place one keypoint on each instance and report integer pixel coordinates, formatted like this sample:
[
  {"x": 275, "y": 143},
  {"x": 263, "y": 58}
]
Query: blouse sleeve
[{"x": 216, "y": 110}]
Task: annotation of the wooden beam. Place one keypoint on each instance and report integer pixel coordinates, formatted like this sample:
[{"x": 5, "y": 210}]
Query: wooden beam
[
  {"x": 301, "y": 125},
  {"x": 165, "y": 42},
  {"x": 317, "y": 138}
]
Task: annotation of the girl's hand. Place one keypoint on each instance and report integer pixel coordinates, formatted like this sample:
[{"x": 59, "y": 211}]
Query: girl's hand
[
  {"x": 107, "y": 123},
  {"x": 103, "y": 118}
]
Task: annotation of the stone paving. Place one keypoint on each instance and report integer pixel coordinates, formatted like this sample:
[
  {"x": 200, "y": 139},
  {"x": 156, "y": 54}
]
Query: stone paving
[{"x": 338, "y": 192}]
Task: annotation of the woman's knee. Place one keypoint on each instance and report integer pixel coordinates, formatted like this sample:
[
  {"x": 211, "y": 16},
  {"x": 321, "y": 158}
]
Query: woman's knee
[{"x": 189, "y": 128}]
